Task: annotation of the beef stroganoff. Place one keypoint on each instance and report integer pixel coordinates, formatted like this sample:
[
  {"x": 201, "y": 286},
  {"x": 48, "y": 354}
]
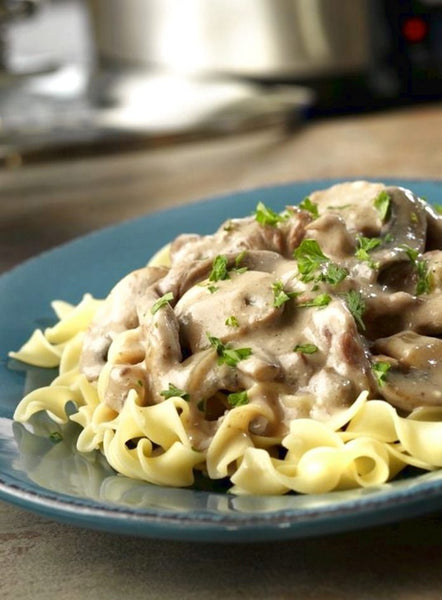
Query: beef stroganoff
[{"x": 289, "y": 351}]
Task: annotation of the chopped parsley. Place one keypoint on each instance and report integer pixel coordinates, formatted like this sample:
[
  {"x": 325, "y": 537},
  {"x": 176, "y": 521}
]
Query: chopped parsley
[
  {"x": 423, "y": 284},
  {"x": 280, "y": 296},
  {"x": 356, "y": 305},
  {"x": 231, "y": 321},
  {"x": 238, "y": 260},
  {"x": 238, "y": 398},
  {"x": 438, "y": 208},
  {"x": 334, "y": 274},
  {"x": 219, "y": 268},
  {"x": 365, "y": 246},
  {"x": 56, "y": 437},
  {"x": 380, "y": 370},
  {"x": 266, "y": 216},
  {"x": 305, "y": 348},
  {"x": 382, "y": 204},
  {"x": 226, "y": 354},
  {"x": 310, "y": 207},
  {"x": 309, "y": 257},
  {"x": 165, "y": 299},
  {"x": 174, "y": 392},
  {"x": 318, "y": 301}
]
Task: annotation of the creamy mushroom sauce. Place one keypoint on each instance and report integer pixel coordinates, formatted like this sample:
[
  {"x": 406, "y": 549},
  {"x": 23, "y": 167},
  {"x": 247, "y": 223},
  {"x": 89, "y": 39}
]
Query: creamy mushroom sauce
[{"x": 300, "y": 310}]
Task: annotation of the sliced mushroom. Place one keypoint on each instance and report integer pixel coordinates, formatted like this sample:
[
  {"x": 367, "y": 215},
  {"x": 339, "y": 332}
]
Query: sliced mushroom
[
  {"x": 404, "y": 229},
  {"x": 415, "y": 377},
  {"x": 411, "y": 349},
  {"x": 434, "y": 223}
]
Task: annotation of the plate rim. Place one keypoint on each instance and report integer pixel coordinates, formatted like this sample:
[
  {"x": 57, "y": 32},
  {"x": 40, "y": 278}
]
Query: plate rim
[{"x": 279, "y": 524}]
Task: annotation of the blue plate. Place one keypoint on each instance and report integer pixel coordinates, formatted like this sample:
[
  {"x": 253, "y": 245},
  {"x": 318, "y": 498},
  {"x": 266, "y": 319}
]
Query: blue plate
[{"x": 55, "y": 481}]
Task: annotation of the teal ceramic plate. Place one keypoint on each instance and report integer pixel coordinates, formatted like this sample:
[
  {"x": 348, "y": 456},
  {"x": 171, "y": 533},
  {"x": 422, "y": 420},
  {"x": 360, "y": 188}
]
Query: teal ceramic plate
[{"x": 55, "y": 481}]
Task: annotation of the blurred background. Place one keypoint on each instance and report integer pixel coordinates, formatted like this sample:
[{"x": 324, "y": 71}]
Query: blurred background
[{"x": 82, "y": 76}]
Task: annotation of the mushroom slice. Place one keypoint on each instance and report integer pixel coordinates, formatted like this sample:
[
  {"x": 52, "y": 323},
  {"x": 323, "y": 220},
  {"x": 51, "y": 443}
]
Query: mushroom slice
[
  {"x": 434, "y": 228},
  {"x": 411, "y": 349},
  {"x": 405, "y": 229},
  {"x": 415, "y": 376}
]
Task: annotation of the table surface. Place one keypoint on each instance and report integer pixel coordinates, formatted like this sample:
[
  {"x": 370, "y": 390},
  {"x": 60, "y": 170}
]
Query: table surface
[{"x": 43, "y": 559}]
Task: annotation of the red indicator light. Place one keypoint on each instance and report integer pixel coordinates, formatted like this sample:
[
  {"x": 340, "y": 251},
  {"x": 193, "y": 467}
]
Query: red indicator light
[{"x": 414, "y": 29}]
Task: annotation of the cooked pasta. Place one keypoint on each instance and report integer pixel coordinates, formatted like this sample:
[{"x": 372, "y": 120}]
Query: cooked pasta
[{"x": 287, "y": 352}]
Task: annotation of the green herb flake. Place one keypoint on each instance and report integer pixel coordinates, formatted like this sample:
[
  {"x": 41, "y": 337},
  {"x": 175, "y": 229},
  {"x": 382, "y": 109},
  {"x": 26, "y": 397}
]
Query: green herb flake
[
  {"x": 423, "y": 285},
  {"x": 318, "y": 301},
  {"x": 174, "y": 392},
  {"x": 266, "y": 216},
  {"x": 226, "y": 354},
  {"x": 238, "y": 260},
  {"x": 438, "y": 208},
  {"x": 231, "y": 321},
  {"x": 382, "y": 204},
  {"x": 339, "y": 207},
  {"x": 56, "y": 437},
  {"x": 334, "y": 274},
  {"x": 365, "y": 246},
  {"x": 310, "y": 207},
  {"x": 380, "y": 370},
  {"x": 309, "y": 257},
  {"x": 212, "y": 288},
  {"x": 356, "y": 305},
  {"x": 280, "y": 296},
  {"x": 163, "y": 301},
  {"x": 238, "y": 399},
  {"x": 305, "y": 348},
  {"x": 412, "y": 253},
  {"x": 219, "y": 270}
]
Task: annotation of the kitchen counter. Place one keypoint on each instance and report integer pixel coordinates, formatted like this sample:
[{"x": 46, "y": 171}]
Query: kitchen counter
[{"x": 44, "y": 204}]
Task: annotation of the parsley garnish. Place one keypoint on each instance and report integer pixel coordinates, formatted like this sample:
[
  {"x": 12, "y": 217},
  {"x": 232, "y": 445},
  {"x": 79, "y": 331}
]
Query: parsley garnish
[
  {"x": 334, "y": 274},
  {"x": 56, "y": 437},
  {"x": 238, "y": 260},
  {"x": 356, "y": 305},
  {"x": 161, "y": 302},
  {"x": 317, "y": 302},
  {"x": 382, "y": 204},
  {"x": 309, "y": 257},
  {"x": 226, "y": 354},
  {"x": 280, "y": 296},
  {"x": 423, "y": 284},
  {"x": 305, "y": 348},
  {"x": 219, "y": 268},
  {"x": 366, "y": 245},
  {"x": 174, "y": 392},
  {"x": 266, "y": 216},
  {"x": 438, "y": 208},
  {"x": 380, "y": 370},
  {"x": 238, "y": 398},
  {"x": 231, "y": 321},
  {"x": 310, "y": 207}
]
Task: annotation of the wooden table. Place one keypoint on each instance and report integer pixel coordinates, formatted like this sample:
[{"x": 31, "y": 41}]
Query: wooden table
[{"x": 45, "y": 204}]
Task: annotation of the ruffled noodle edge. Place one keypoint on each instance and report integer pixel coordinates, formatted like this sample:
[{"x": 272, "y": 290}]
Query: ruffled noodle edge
[{"x": 365, "y": 445}]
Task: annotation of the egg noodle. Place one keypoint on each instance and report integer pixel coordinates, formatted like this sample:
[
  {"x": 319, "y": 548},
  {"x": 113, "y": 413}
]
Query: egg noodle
[{"x": 366, "y": 443}]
